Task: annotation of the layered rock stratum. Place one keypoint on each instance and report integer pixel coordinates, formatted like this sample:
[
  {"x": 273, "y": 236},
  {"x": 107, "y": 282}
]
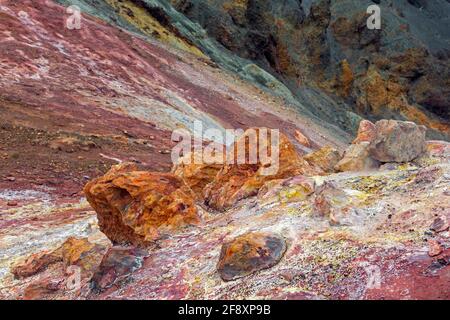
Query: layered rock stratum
[{"x": 363, "y": 193}]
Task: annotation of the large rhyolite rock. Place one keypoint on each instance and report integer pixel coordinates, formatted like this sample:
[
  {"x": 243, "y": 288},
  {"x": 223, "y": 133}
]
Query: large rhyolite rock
[
  {"x": 195, "y": 172},
  {"x": 325, "y": 158},
  {"x": 238, "y": 181},
  {"x": 357, "y": 158},
  {"x": 397, "y": 141},
  {"x": 132, "y": 206},
  {"x": 249, "y": 253}
]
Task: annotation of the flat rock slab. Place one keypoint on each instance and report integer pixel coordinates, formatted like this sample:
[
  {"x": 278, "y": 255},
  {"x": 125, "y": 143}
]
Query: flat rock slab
[{"x": 250, "y": 253}]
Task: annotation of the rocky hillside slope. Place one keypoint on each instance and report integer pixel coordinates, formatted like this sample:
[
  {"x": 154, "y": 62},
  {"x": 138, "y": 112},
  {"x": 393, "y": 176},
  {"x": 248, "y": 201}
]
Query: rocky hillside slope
[
  {"x": 73, "y": 103},
  {"x": 318, "y": 55}
]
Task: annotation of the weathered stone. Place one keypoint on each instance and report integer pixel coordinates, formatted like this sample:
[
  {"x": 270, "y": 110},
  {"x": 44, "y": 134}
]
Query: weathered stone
[
  {"x": 41, "y": 289},
  {"x": 250, "y": 253},
  {"x": 440, "y": 224},
  {"x": 117, "y": 264},
  {"x": 357, "y": 158},
  {"x": 239, "y": 181},
  {"x": 366, "y": 132},
  {"x": 133, "y": 206},
  {"x": 330, "y": 201},
  {"x": 35, "y": 263},
  {"x": 397, "y": 141},
  {"x": 326, "y": 158},
  {"x": 195, "y": 173},
  {"x": 434, "y": 248},
  {"x": 82, "y": 253}
]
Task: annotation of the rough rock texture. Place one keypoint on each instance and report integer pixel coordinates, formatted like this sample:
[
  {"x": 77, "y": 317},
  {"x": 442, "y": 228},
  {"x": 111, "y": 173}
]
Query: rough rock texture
[
  {"x": 75, "y": 102},
  {"x": 133, "y": 205},
  {"x": 195, "y": 173},
  {"x": 82, "y": 253},
  {"x": 397, "y": 141},
  {"x": 331, "y": 202},
  {"x": 366, "y": 132},
  {"x": 35, "y": 264},
  {"x": 357, "y": 158},
  {"x": 249, "y": 253},
  {"x": 288, "y": 190},
  {"x": 238, "y": 181},
  {"x": 117, "y": 265},
  {"x": 326, "y": 158}
]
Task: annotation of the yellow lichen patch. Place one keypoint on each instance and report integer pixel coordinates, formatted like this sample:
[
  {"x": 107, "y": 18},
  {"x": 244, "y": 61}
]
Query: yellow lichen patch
[{"x": 144, "y": 21}]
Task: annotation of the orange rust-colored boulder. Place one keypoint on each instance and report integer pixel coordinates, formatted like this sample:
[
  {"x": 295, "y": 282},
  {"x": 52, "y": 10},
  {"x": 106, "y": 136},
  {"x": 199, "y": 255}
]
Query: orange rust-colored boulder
[
  {"x": 250, "y": 253},
  {"x": 237, "y": 180},
  {"x": 195, "y": 173},
  {"x": 133, "y": 207}
]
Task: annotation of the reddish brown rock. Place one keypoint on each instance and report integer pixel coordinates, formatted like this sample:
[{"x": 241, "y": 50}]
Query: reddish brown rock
[
  {"x": 440, "y": 224},
  {"x": 195, "y": 173},
  {"x": 250, "y": 253},
  {"x": 326, "y": 158},
  {"x": 36, "y": 263},
  {"x": 239, "y": 181},
  {"x": 357, "y": 158},
  {"x": 302, "y": 139},
  {"x": 133, "y": 206},
  {"x": 117, "y": 265},
  {"x": 42, "y": 289},
  {"x": 397, "y": 141},
  {"x": 434, "y": 248},
  {"x": 366, "y": 132}
]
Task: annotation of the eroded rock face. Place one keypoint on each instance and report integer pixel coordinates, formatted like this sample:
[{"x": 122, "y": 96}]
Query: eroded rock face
[
  {"x": 238, "y": 181},
  {"x": 325, "y": 158},
  {"x": 195, "y": 173},
  {"x": 357, "y": 158},
  {"x": 132, "y": 206},
  {"x": 397, "y": 141},
  {"x": 250, "y": 253}
]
